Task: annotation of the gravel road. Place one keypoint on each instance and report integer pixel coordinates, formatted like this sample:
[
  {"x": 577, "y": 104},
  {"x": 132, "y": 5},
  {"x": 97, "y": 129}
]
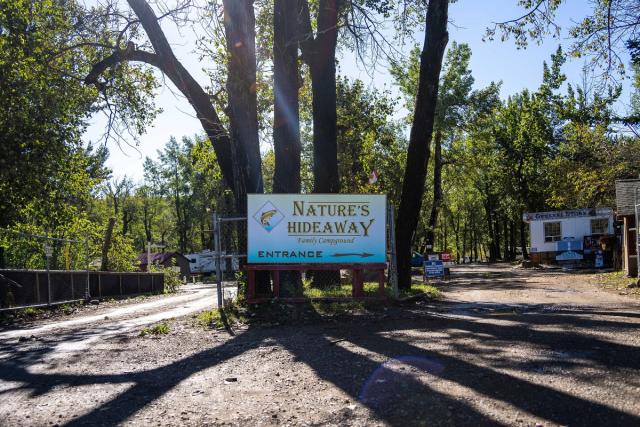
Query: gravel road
[{"x": 504, "y": 347}]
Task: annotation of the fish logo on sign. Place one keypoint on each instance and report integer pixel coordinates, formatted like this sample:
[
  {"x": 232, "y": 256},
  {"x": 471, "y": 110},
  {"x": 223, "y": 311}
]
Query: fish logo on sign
[{"x": 268, "y": 216}]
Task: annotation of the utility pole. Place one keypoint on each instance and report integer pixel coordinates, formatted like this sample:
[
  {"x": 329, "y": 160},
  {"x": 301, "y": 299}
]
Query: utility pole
[{"x": 149, "y": 246}]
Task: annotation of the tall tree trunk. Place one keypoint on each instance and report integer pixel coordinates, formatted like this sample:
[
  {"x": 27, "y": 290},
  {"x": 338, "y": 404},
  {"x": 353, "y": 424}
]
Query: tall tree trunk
[
  {"x": 125, "y": 223},
  {"x": 465, "y": 230},
  {"x": 239, "y": 25},
  {"x": 184, "y": 230},
  {"x": 203, "y": 238},
  {"x": 437, "y": 185},
  {"x": 456, "y": 230},
  {"x": 507, "y": 249},
  {"x": 106, "y": 244},
  {"x": 474, "y": 239},
  {"x": 435, "y": 41},
  {"x": 286, "y": 117},
  {"x": 488, "y": 206},
  {"x": 443, "y": 247},
  {"x": 147, "y": 222},
  {"x": 319, "y": 53},
  {"x": 512, "y": 240},
  {"x": 496, "y": 238},
  {"x": 523, "y": 239},
  {"x": 325, "y": 146}
]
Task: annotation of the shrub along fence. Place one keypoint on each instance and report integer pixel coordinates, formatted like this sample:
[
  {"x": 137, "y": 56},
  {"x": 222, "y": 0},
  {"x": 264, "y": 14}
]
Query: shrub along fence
[{"x": 20, "y": 287}]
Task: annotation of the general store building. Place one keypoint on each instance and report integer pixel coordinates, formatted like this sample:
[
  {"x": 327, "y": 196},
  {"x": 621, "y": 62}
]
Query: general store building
[{"x": 577, "y": 230}]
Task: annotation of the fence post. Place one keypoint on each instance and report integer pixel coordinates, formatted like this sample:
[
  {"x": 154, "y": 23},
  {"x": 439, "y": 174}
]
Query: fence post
[
  {"x": 37, "y": 287},
  {"x": 216, "y": 244},
  {"x": 47, "y": 254},
  {"x": 87, "y": 292},
  {"x": 393, "y": 263}
]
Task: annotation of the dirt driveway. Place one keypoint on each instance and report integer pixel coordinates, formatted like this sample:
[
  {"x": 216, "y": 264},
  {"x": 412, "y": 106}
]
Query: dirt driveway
[{"x": 505, "y": 347}]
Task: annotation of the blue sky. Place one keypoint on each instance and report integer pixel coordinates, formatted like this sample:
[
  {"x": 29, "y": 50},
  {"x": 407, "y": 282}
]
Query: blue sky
[{"x": 491, "y": 61}]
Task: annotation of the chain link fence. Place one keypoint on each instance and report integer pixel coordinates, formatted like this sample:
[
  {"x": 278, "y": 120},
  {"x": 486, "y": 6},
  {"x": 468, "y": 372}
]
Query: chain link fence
[
  {"x": 230, "y": 251},
  {"x": 40, "y": 270}
]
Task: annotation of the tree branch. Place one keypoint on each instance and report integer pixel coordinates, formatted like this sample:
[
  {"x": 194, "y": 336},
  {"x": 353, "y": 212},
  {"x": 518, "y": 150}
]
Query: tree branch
[
  {"x": 121, "y": 55},
  {"x": 305, "y": 32}
]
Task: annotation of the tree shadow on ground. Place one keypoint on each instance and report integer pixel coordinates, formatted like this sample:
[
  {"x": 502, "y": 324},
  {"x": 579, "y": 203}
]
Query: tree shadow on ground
[{"x": 390, "y": 372}]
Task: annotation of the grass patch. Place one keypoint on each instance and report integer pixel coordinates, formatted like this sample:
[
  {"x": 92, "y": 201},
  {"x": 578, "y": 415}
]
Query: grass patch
[
  {"x": 342, "y": 291},
  {"x": 159, "y": 329},
  {"x": 215, "y": 318},
  {"x": 68, "y": 309},
  {"x": 30, "y": 312},
  {"x": 370, "y": 290},
  {"x": 617, "y": 280},
  {"x": 419, "y": 289},
  {"x": 209, "y": 319}
]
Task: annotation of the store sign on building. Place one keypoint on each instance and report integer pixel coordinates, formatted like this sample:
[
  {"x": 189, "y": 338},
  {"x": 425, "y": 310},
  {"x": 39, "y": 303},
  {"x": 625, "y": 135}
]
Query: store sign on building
[
  {"x": 574, "y": 213},
  {"x": 316, "y": 228}
]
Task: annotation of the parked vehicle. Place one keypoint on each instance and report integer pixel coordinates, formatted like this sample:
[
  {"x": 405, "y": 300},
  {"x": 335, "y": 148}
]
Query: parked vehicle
[
  {"x": 417, "y": 260},
  {"x": 203, "y": 262}
]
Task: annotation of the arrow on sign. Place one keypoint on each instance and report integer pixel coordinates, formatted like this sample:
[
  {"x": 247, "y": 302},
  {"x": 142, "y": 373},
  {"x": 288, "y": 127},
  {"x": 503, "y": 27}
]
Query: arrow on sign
[{"x": 362, "y": 255}]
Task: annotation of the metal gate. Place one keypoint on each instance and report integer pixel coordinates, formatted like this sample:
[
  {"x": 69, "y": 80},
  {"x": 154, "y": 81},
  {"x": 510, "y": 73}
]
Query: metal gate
[
  {"x": 637, "y": 211},
  {"x": 227, "y": 234}
]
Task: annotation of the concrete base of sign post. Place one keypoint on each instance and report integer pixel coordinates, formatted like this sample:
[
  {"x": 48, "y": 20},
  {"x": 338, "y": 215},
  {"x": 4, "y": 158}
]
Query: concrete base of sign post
[{"x": 357, "y": 286}]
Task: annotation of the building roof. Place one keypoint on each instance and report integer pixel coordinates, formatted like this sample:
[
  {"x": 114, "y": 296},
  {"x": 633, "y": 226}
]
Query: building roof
[
  {"x": 626, "y": 195},
  {"x": 159, "y": 257}
]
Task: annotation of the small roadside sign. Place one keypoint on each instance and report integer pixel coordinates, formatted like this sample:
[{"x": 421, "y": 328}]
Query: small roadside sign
[
  {"x": 433, "y": 269},
  {"x": 433, "y": 257},
  {"x": 599, "y": 259},
  {"x": 48, "y": 251}
]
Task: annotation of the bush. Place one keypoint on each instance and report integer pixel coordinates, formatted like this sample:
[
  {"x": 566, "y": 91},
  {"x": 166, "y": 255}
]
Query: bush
[{"x": 171, "y": 278}]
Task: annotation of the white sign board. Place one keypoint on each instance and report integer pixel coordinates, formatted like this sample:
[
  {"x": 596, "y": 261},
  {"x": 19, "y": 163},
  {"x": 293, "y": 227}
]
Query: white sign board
[{"x": 316, "y": 228}]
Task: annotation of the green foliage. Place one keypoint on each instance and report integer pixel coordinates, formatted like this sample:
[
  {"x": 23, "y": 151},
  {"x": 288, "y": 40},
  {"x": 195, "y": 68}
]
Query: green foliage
[
  {"x": 342, "y": 291},
  {"x": 209, "y": 319},
  {"x": 421, "y": 289},
  {"x": 536, "y": 150},
  {"x": 156, "y": 330},
  {"x": 368, "y": 140},
  {"x": 31, "y": 312},
  {"x": 43, "y": 112},
  {"x": 172, "y": 279},
  {"x": 68, "y": 309},
  {"x": 229, "y": 315},
  {"x": 185, "y": 185}
]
